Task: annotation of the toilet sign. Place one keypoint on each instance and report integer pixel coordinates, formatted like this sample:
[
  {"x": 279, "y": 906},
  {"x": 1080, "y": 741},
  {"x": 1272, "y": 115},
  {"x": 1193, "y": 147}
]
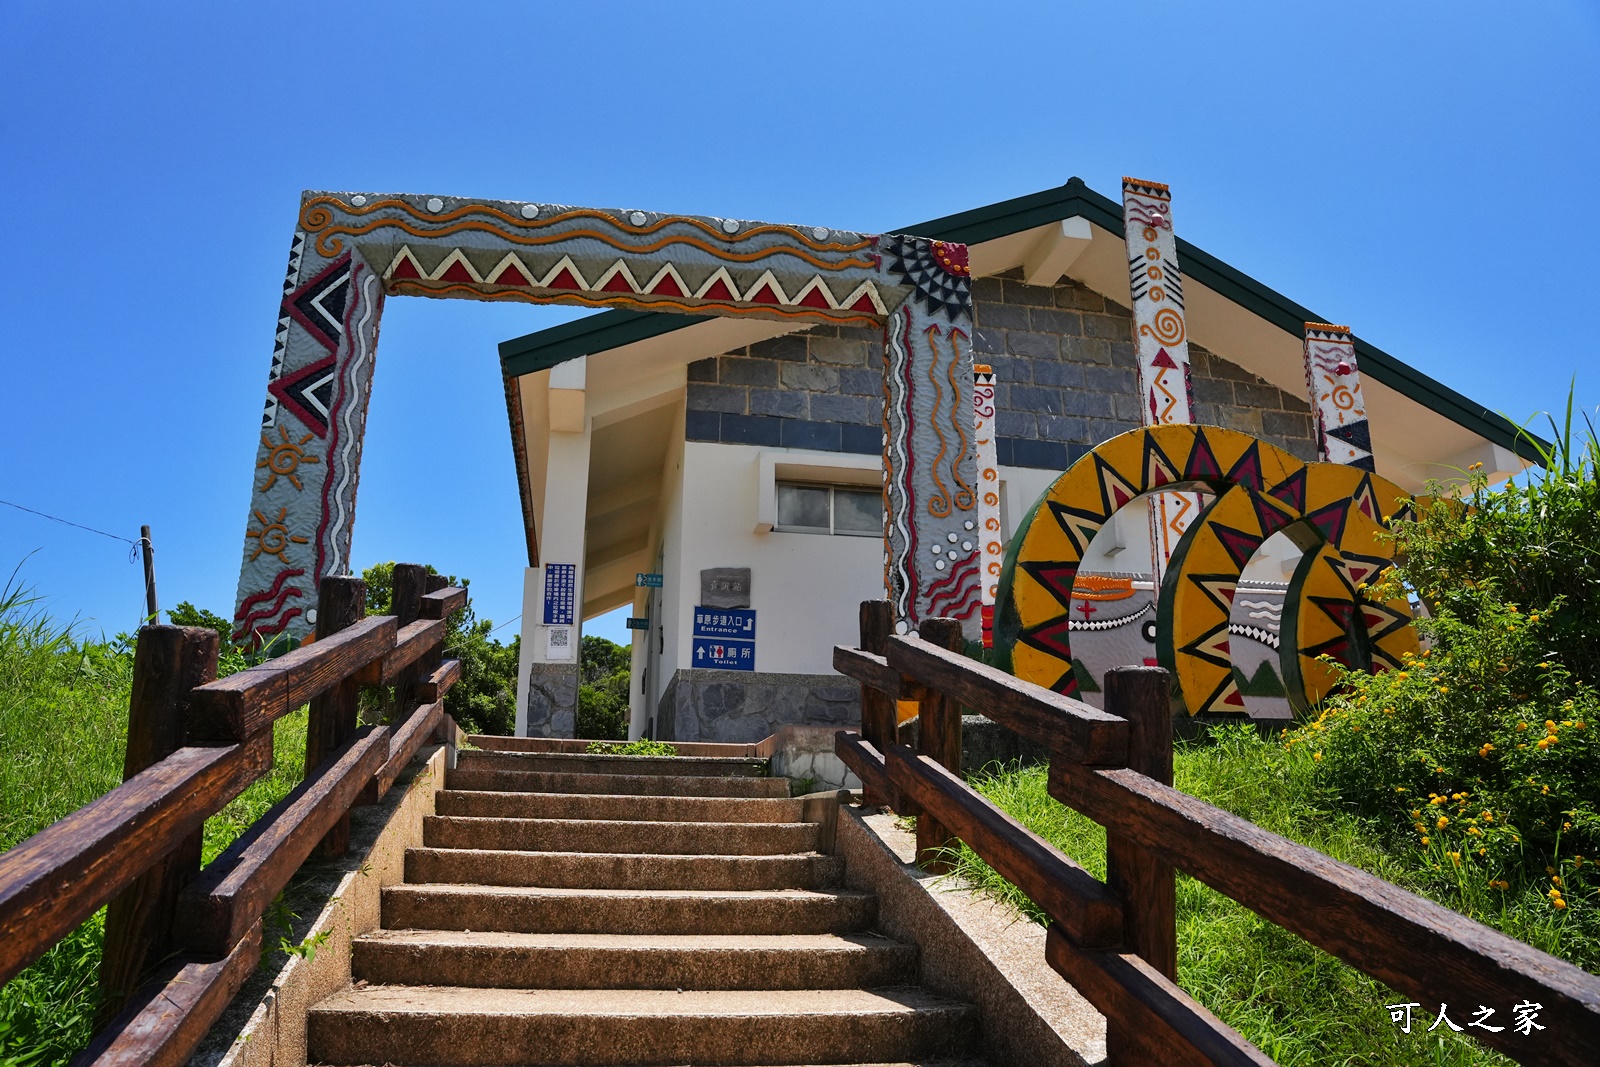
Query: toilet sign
[{"x": 724, "y": 639}]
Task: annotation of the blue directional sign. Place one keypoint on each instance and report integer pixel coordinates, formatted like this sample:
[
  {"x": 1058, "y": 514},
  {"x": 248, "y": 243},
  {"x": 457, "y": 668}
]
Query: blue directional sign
[
  {"x": 737, "y": 623},
  {"x": 650, "y": 581},
  {"x": 724, "y": 655},
  {"x": 724, "y": 639}
]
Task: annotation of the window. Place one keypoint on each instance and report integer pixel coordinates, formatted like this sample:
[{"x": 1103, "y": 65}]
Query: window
[{"x": 829, "y": 509}]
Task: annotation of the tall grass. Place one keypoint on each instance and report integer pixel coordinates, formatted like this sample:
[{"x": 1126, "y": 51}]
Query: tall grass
[
  {"x": 63, "y": 729},
  {"x": 1297, "y": 1003}
]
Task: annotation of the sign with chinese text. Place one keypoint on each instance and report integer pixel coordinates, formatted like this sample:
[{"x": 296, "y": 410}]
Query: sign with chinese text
[
  {"x": 649, "y": 581},
  {"x": 724, "y": 639},
  {"x": 560, "y": 592},
  {"x": 638, "y": 624}
]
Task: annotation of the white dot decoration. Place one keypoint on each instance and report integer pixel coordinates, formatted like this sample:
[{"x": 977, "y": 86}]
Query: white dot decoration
[
  {"x": 938, "y": 564},
  {"x": 951, "y": 538},
  {"x": 820, "y": 233},
  {"x": 969, "y": 524},
  {"x": 311, "y": 615},
  {"x": 435, "y": 204},
  {"x": 637, "y": 218},
  {"x": 966, "y": 546},
  {"x": 358, "y": 200},
  {"x": 936, "y": 550},
  {"x": 530, "y": 211},
  {"x": 729, "y": 226},
  {"x": 902, "y": 627}
]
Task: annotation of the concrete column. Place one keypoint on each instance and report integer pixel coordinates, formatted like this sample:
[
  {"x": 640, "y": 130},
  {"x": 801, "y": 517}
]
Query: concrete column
[{"x": 547, "y": 702}]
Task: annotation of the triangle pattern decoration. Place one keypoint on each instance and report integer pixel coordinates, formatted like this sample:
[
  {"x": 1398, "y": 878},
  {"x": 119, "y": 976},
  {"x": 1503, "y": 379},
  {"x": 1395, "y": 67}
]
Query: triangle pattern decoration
[
  {"x": 1079, "y": 526},
  {"x": 1057, "y": 579},
  {"x": 308, "y": 393},
  {"x": 319, "y": 304}
]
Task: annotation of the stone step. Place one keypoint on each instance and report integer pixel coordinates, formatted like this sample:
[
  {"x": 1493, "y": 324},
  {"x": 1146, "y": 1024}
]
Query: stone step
[
  {"x": 486, "y": 804},
  {"x": 631, "y": 911},
  {"x": 590, "y": 870},
  {"x": 521, "y": 781},
  {"x": 449, "y": 1026},
  {"x": 631, "y": 961},
  {"x": 597, "y": 835},
  {"x": 595, "y": 763}
]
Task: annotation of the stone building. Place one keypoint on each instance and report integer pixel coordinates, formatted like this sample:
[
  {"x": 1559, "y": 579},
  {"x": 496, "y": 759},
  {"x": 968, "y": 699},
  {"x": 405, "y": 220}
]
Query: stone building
[{"x": 672, "y": 445}]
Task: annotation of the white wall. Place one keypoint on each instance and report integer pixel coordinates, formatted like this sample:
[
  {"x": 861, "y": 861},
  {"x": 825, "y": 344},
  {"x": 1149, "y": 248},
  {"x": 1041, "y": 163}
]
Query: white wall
[{"x": 806, "y": 589}]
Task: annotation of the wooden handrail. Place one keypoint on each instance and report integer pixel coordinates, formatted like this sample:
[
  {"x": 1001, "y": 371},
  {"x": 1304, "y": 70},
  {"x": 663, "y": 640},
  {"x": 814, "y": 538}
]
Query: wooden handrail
[
  {"x": 138, "y": 846},
  {"x": 1069, "y": 727},
  {"x": 64, "y": 873},
  {"x": 1072, "y": 896},
  {"x": 1422, "y": 949},
  {"x": 1114, "y": 942},
  {"x": 233, "y": 892},
  {"x": 237, "y": 706},
  {"x": 412, "y": 642}
]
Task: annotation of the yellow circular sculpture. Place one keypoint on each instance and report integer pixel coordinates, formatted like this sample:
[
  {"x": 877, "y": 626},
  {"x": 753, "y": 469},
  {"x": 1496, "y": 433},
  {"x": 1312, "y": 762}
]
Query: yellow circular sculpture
[
  {"x": 1336, "y": 514},
  {"x": 1320, "y": 505}
]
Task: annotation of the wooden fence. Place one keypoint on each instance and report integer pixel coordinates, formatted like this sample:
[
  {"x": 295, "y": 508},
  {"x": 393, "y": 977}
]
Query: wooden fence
[
  {"x": 1116, "y": 941},
  {"x": 180, "y": 940}
]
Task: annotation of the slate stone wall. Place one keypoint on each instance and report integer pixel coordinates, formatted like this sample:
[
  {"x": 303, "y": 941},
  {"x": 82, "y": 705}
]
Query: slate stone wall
[
  {"x": 738, "y": 707},
  {"x": 1063, "y": 356},
  {"x": 553, "y": 700}
]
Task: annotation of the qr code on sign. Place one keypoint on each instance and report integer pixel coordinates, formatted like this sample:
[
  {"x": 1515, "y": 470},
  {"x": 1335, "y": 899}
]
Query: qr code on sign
[{"x": 558, "y": 638}]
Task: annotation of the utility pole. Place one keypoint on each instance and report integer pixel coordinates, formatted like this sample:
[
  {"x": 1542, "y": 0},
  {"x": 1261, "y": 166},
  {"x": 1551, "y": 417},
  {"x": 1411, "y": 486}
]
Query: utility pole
[{"x": 152, "y": 609}]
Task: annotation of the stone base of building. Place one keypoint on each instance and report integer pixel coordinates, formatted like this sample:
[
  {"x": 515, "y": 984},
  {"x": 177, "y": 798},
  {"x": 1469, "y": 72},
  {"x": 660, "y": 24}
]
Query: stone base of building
[
  {"x": 553, "y": 700},
  {"x": 743, "y": 707}
]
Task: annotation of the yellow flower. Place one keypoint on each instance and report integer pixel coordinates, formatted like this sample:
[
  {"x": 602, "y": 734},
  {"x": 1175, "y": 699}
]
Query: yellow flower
[
  {"x": 1442, "y": 823},
  {"x": 1402, "y": 674},
  {"x": 1437, "y": 799},
  {"x": 1522, "y": 746},
  {"x": 1554, "y": 894},
  {"x": 1513, "y": 609},
  {"x": 1556, "y": 878},
  {"x": 1535, "y": 618},
  {"x": 1578, "y": 725},
  {"x": 1566, "y": 826},
  {"x": 1522, "y": 726},
  {"x": 1455, "y": 857},
  {"x": 1499, "y": 883},
  {"x": 1488, "y": 816},
  {"x": 1550, "y": 726},
  {"x": 1424, "y": 839},
  {"x": 1545, "y": 791},
  {"x": 1481, "y": 851},
  {"x": 1475, "y": 832},
  {"x": 1559, "y": 904},
  {"x": 1544, "y": 742},
  {"x": 1542, "y": 664},
  {"x": 1316, "y": 755}
]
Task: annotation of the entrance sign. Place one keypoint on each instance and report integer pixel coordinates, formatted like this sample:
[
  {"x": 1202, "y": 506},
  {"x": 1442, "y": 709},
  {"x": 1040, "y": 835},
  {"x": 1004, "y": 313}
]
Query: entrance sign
[
  {"x": 560, "y": 589},
  {"x": 724, "y": 638},
  {"x": 352, "y": 250}
]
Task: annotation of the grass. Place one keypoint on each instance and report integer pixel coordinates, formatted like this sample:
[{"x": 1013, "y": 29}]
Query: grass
[
  {"x": 63, "y": 724},
  {"x": 1297, "y": 1003}
]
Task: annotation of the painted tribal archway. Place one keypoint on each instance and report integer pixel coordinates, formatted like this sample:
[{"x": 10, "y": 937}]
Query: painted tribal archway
[
  {"x": 1335, "y": 513},
  {"x": 351, "y": 250}
]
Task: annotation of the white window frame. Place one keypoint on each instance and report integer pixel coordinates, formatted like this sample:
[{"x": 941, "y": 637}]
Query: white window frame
[
  {"x": 832, "y": 530},
  {"x": 825, "y": 470}
]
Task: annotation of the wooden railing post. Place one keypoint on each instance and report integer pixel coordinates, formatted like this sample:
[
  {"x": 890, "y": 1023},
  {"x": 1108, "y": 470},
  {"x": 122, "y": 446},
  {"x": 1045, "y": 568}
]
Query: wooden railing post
[
  {"x": 332, "y": 719},
  {"x": 877, "y": 708},
  {"x": 1146, "y": 886},
  {"x": 410, "y": 583},
  {"x": 168, "y": 662},
  {"x": 939, "y": 726}
]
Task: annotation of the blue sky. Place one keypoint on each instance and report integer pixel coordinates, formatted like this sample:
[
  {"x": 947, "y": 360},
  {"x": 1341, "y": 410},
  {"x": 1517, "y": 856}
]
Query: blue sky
[{"x": 1420, "y": 171}]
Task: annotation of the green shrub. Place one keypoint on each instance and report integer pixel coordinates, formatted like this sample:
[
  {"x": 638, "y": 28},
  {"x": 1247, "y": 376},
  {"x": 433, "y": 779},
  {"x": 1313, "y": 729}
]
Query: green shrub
[
  {"x": 1480, "y": 753},
  {"x": 641, "y": 747}
]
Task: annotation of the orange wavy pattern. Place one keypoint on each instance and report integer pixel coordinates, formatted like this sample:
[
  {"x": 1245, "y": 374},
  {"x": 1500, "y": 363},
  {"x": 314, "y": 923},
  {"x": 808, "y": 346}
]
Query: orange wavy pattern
[{"x": 315, "y": 217}]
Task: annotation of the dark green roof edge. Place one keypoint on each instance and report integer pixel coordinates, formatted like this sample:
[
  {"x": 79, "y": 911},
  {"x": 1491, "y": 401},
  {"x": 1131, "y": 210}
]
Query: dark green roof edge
[{"x": 612, "y": 329}]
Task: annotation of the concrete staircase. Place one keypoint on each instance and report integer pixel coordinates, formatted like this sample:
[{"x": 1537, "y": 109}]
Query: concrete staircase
[{"x": 574, "y": 909}]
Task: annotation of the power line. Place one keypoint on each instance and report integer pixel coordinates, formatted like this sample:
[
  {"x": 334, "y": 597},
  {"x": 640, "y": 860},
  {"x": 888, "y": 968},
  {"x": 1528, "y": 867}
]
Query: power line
[
  {"x": 503, "y": 625},
  {"x": 132, "y": 553}
]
